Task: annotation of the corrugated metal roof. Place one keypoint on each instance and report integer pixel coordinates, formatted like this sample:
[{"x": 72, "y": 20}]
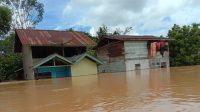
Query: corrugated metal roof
[
  {"x": 53, "y": 38},
  {"x": 137, "y": 38}
]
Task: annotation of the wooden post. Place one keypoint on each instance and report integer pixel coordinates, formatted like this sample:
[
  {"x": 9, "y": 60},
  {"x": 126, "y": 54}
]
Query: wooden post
[
  {"x": 63, "y": 52},
  {"x": 54, "y": 63}
]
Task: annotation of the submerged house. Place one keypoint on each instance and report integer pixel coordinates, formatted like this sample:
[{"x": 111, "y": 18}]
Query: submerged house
[
  {"x": 50, "y": 53},
  {"x": 126, "y": 52}
]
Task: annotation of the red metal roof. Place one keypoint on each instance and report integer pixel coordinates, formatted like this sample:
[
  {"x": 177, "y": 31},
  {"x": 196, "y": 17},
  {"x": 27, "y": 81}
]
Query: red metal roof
[
  {"x": 53, "y": 38},
  {"x": 138, "y": 38}
]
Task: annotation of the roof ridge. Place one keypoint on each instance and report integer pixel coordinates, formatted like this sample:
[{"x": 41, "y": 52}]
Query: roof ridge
[
  {"x": 50, "y": 30},
  {"x": 48, "y": 58},
  {"x": 134, "y": 36},
  {"x": 35, "y": 37},
  {"x": 79, "y": 57}
]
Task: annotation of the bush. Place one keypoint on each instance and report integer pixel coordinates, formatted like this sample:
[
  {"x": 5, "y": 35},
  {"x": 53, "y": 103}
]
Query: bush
[
  {"x": 8, "y": 65},
  {"x": 185, "y": 50}
]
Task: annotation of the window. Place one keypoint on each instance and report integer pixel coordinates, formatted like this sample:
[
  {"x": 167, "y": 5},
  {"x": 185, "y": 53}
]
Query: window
[
  {"x": 163, "y": 64},
  {"x": 137, "y": 66}
]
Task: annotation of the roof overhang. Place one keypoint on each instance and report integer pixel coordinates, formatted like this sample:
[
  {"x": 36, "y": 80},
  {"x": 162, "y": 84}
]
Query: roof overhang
[
  {"x": 51, "y": 57},
  {"x": 140, "y": 38},
  {"x": 78, "y": 58},
  {"x": 69, "y": 60},
  {"x": 30, "y": 37}
]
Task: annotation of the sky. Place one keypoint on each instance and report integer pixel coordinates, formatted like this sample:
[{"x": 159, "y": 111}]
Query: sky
[{"x": 147, "y": 17}]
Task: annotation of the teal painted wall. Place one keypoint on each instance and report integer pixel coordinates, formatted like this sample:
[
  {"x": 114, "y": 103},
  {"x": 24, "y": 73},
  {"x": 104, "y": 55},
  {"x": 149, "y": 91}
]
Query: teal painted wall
[{"x": 56, "y": 72}]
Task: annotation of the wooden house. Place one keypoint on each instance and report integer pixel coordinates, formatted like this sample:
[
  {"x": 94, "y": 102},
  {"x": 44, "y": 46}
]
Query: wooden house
[
  {"x": 128, "y": 52},
  {"x": 50, "y": 53}
]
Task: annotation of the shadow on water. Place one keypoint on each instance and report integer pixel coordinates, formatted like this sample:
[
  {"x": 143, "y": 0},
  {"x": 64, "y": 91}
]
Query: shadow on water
[{"x": 175, "y": 89}]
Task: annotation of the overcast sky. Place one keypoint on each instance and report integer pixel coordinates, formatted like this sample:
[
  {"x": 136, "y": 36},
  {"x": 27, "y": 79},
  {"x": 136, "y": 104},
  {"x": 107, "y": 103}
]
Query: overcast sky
[{"x": 147, "y": 17}]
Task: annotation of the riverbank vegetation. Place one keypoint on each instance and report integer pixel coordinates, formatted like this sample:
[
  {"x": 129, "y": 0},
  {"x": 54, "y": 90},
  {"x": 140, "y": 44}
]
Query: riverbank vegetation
[
  {"x": 185, "y": 50},
  {"x": 15, "y": 14}
]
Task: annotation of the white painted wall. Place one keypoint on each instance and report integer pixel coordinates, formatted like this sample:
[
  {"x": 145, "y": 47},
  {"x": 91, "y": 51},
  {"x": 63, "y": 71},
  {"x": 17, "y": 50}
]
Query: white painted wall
[
  {"x": 130, "y": 64},
  {"x": 136, "y": 52},
  {"x": 135, "y": 49}
]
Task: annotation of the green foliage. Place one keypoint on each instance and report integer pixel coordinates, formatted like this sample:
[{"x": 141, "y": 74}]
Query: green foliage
[
  {"x": 104, "y": 31},
  {"x": 186, "y": 47},
  {"x": 8, "y": 65},
  {"x": 25, "y": 13},
  {"x": 91, "y": 37},
  {"x": 70, "y": 29},
  {"x": 5, "y": 20},
  {"x": 101, "y": 32},
  {"x": 91, "y": 49},
  {"x": 119, "y": 31},
  {"x": 7, "y": 45},
  {"x": 9, "y": 61}
]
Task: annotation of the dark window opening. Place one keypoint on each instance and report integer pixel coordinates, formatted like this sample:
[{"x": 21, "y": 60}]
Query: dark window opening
[
  {"x": 17, "y": 45},
  {"x": 56, "y": 62},
  {"x": 163, "y": 64},
  {"x": 137, "y": 66},
  {"x": 44, "y": 75},
  {"x": 44, "y": 51}
]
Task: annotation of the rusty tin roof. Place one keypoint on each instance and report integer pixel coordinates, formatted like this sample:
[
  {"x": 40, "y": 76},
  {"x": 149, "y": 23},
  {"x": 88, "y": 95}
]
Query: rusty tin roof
[
  {"x": 138, "y": 38},
  {"x": 53, "y": 38}
]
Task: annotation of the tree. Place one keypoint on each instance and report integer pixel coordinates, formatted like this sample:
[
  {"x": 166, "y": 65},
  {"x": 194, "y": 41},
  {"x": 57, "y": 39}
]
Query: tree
[
  {"x": 8, "y": 66},
  {"x": 118, "y": 31},
  {"x": 25, "y": 13},
  {"x": 5, "y": 20},
  {"x": 70, "y": 29},
  {"x": 104, "y": 31},
  {"x": 9, "y": 61},
  {"x": 186, "y": 47},
  {"x": 7, "y": 44}
]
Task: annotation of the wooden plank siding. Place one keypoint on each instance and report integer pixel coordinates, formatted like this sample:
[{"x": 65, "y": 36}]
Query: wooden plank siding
[
  {"x": 136, "y": 49},
  {"x": 123, "y": 56},
  {"x": 116, "y": 49},
  {"x": 112, "y": 55}
]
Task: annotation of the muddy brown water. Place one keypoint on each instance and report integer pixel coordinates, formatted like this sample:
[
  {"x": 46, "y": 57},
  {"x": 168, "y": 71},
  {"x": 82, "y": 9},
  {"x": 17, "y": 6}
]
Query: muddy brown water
[{"x": 155, "y": 90}]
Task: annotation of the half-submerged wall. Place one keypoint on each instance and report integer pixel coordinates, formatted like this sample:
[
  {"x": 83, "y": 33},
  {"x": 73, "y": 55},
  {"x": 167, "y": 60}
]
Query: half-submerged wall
[
  {"x": 123, "y": 56},
  {"x": 136, "y": 55},
  {"x": 84, "y": 67},
  {"x": 112, "y": 56}
]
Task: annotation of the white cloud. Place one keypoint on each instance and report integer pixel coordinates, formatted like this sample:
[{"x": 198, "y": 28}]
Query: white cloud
[{"x": 149, "y": 17}]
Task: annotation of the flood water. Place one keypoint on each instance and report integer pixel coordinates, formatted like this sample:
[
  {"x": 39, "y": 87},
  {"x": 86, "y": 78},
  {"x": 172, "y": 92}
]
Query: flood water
[{"x": 155, "y": 90}]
